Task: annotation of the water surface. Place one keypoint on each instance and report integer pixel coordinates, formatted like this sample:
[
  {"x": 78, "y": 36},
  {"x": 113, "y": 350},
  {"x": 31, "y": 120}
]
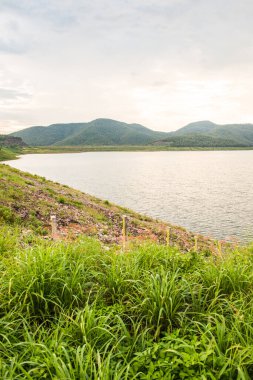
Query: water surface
[{"x": 209, "y": 192}]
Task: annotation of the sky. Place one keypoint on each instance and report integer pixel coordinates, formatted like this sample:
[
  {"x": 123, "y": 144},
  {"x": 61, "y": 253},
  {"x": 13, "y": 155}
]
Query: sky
[{"x": 160, "y": 63}]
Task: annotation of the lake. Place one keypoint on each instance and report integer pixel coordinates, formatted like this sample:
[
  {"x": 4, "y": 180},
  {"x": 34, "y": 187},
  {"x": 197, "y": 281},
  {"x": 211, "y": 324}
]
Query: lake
[{"x": 208, "y": 192}]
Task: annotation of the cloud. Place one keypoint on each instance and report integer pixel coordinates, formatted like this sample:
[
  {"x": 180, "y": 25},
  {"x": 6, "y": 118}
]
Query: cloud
[
  {"x": 162, "y": 63},
  {"x": 7, "y": 94},
  {"x": 59, "y": 14},
  {"x": 11, "y": 46}
]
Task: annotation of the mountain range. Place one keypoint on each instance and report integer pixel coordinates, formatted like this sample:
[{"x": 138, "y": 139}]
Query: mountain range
[
  {"x": 112, "y": 132},
  {"x": 208, "y": 134},
  {"x": 96, "y": 132}
]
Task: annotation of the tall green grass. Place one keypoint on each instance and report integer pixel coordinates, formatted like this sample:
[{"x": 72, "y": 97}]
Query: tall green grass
[{"x": 78, "y": 311}]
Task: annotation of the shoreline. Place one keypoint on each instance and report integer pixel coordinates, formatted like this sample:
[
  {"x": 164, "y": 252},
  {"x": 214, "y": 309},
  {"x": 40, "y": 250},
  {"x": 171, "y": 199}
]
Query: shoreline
[
  {"x": 227, "y": 239},
  {"x": 161, "y": 222},
  {"x": 7, "y": 154},
  {"x": 123, "y": 148},
  {"x": 80, "y": 213}
]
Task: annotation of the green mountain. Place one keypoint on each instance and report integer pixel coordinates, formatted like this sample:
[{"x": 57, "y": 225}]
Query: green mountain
[
  {"x": 7, "y": 141},
  {"x": 196, "y": 127},
  {"x": 96, "y": 132},
  {"x": 208, "y": 134},
  {"x": 39, "y": 136},
  {"x": 111, "y": 132}
]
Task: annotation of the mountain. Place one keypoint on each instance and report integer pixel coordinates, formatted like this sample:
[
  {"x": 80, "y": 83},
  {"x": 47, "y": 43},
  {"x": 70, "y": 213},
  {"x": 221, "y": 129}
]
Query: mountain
[
  {"x": 96, "y": 132},
  {"x": 8, "y": 141},
  {"x": 39, "y": 136},
  {"x": 196, "y": 127},
  {"x": 112, "y": 132},
  {"x": 208, "y": 134}
]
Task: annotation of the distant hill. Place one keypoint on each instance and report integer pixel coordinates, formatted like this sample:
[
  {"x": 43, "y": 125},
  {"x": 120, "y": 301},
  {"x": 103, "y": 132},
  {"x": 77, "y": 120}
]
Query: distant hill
[
  {"x": 39, "y": 136},
  {"x": 196, "y": 127},
  {"x": 96, "y": 132},
  {"x": 208, "y": 134},
  {"x": 111, "y": 132},
  {"x": 8, "y": 141}
]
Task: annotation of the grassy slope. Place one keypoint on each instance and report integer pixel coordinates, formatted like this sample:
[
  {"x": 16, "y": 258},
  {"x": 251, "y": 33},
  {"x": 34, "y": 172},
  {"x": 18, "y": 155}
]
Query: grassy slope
[
  {"x": 8, "y": 154},
  {"x": 81, "y": 310},
  {"x": 30, "y": 200},
  {"x": 123, "y": 148},
  {"x": 78, "y": 311}
]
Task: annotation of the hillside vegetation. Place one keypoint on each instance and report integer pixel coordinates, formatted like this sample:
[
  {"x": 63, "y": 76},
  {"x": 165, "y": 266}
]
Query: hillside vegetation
[
  {"x": 76, "y": 308},
  {"x": 106, "y": 132},
  {"x": 10, "y": 147},
  {"x": 207, "y": 134},
  {"x": 7, "y": 154},
  {"x": 8, "y": 141},
  {"x": 199, "y": 141},
  {"x": 96, "y": 132},
  {"x": 30, "y": 200},
  {"x": 78, "y": 311}
]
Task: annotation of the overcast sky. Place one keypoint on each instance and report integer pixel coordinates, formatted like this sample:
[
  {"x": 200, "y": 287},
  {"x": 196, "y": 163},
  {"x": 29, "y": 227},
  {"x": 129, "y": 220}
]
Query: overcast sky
[{"x": 161, "y": 63}]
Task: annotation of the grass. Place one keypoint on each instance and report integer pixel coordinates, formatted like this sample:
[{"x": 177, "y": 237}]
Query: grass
[
  {"x": 30, "y": 200},
  {"x": 9, "y": 154},
  {"x": 80, "y": 311}
]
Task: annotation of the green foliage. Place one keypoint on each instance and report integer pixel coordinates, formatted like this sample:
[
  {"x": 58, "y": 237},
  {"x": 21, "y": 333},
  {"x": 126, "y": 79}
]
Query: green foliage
[
  {"x": 38, "y": 136},
  {"x": 77, "y": 311},
  {"x": 62, "y": 200},
  {"x": 201, "y": 140},
  {"x": 8, "y": 141},
  {"x": 106, "y": 132},
  {"x": 96, "y": 132},
  {"x": 7, "y": 154},
  {"x": 6, "y": 215},
  {"x": 8, "y": 240},
  {"x": 208, "y": 134}
]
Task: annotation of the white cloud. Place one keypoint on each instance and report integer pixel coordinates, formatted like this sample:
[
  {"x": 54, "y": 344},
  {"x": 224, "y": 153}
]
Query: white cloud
[{"x": 162, "y": 63}]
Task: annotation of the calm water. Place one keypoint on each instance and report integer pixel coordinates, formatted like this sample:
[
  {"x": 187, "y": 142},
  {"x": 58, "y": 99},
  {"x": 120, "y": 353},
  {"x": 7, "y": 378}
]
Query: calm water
[{"x": 206, "y": 192}]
